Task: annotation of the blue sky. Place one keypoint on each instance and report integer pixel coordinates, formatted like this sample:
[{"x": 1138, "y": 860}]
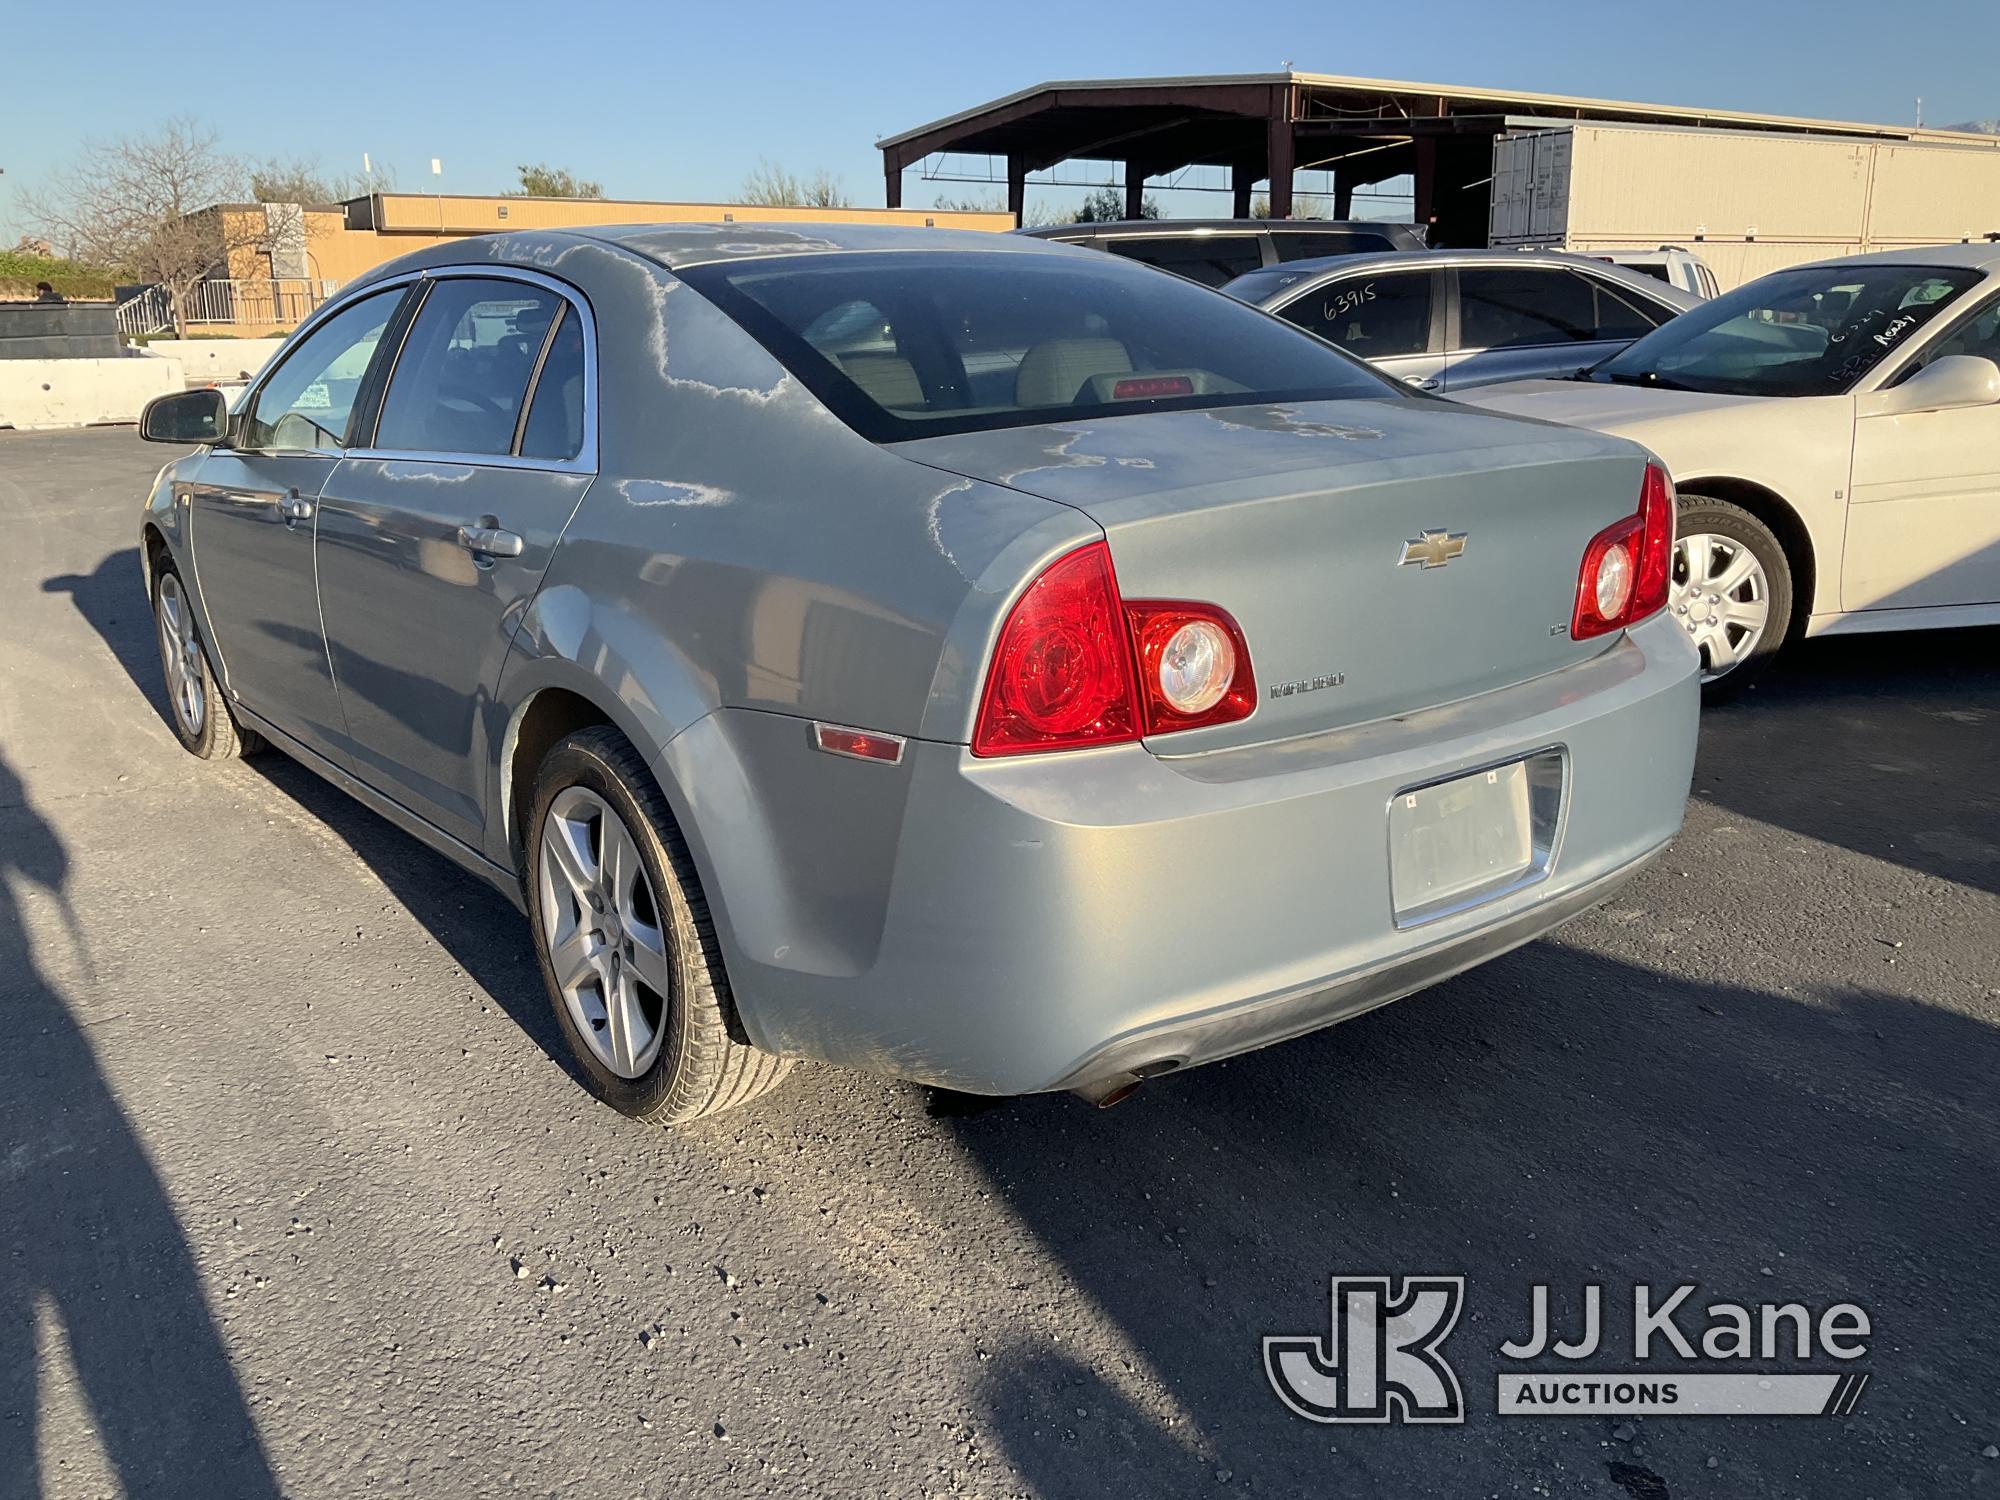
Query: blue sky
[{"x": 669, "y": 101}]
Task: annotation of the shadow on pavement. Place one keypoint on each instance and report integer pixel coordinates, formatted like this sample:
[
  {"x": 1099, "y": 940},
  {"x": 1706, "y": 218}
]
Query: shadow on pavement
[
  {"x": 1859, "y": 741},
  {"x": 112, "y": 597},
  {"x": 483, "y": 931},
  {"x": 91, "y": 1239},
  {"x": 1558, "y": 1117}
]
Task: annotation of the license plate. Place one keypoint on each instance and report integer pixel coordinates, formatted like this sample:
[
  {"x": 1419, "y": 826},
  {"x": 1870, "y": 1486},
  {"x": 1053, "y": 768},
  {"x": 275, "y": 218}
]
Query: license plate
[{"x": 1453, "y": 842}]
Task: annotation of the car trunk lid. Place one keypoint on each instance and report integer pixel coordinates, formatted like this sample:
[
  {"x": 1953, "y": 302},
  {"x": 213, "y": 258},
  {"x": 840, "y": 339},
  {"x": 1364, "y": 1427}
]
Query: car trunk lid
[{"x": 1382, "y": 557}]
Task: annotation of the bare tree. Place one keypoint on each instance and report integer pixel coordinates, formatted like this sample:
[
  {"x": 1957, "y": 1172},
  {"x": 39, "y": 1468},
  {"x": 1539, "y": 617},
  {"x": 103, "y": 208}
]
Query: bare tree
[
  {"x": 773, "y": 187},
  {"x": 541, "y": 181},
  {"x": 137, "y": 205},
  {"x": 302, "y": 180}
]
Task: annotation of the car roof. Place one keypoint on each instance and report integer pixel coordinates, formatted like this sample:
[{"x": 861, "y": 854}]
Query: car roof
[
  {"x": 1981, "y": 257},
  {"x": 677, "y": 245},
  {"x": 1201, "y": 226},
  {"x": 1376, "y": 260}
]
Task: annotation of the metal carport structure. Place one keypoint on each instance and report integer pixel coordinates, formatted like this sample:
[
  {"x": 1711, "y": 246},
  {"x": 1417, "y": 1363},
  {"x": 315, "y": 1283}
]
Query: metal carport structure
[{"x": 1262, "y": 127}]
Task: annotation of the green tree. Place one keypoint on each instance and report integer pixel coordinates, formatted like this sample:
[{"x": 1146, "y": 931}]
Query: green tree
[
  {"x": 542, "y": 181},
  {"x": 1107, "y": 204}
]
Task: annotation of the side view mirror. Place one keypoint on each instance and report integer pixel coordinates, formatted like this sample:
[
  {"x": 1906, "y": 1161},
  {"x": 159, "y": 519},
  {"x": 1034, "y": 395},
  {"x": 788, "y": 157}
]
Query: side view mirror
[
  {"x": 1955, "y": 380},
  {"x": 185, "y": 417}
]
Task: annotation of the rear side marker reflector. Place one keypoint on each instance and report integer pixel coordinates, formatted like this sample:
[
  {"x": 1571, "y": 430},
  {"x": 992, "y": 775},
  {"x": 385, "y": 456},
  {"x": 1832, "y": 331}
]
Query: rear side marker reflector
[{"x": 859, "y": 744}]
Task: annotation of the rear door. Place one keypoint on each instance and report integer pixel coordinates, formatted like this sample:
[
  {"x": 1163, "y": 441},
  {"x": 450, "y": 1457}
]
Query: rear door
[
  {"x": 1389, "y": 318},
  {"x": 254, "y": 508},
  {"x": 435, "y": 534},
  {"x": 1531, "y": 322}
]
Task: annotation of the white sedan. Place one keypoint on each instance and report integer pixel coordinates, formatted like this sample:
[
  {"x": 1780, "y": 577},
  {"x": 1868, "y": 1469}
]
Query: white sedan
[{"x": 1834, "y": 431}]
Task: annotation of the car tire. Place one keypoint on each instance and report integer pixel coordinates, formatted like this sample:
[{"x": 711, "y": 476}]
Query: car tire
[
  {"x": 672, "y": 1058},
  {"x": 200, "y": 715},
  {"x": 1720, "y": 540}
]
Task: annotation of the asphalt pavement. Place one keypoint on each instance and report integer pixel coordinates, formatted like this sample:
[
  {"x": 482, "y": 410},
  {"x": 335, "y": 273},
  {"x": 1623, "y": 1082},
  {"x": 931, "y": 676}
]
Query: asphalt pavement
[{"x": 296, "y": 1197}]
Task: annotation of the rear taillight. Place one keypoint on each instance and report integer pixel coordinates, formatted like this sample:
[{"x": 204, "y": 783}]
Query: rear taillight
[
  {"x": 1194, "y": 668},
  {"x": 1628, "y": 566},
  {"x": 1075, "y": 665}
]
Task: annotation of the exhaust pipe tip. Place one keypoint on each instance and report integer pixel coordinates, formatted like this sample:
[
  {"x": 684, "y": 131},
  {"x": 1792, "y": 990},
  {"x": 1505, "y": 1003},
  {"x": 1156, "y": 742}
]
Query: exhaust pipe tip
[{"x": 1114, "y": 1088}]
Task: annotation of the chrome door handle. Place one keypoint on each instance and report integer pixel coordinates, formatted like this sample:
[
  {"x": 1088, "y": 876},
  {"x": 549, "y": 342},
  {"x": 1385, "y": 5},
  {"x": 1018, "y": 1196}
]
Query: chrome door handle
[
  {"x": 295, "y": 507},
  {"x": 1423, "y": 382},
  {"x": 489, "y": 541}
]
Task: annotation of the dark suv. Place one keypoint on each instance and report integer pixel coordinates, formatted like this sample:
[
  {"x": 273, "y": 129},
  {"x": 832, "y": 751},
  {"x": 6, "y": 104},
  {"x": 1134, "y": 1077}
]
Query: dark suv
[{"x": 1213, "y": 251}]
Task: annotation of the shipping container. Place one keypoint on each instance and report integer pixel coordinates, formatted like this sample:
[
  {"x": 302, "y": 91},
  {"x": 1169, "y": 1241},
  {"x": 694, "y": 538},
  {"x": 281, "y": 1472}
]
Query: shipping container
[{"x": 1746, "y": 202}]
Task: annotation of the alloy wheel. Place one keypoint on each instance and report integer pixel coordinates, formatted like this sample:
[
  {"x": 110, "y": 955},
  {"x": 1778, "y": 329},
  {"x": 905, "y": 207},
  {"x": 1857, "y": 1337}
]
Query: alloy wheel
[
  {"x": 180, "y": 656},
  {"x": 603, "y": 928},
  {"x": 1722, "y": 597}
]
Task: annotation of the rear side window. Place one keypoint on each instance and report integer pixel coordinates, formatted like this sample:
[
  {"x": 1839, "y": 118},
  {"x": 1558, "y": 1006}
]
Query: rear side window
[
  {"x": 463, "y": 373},
  {"x": 1327, "y": 242},
  {"x": 1371, "y": 317},
  {"x": 555, "y": 418},
  {"x": 1509, "y": 307},
  {"x": 1210, "y": 259},
  {"x": 922, "y": 343}
]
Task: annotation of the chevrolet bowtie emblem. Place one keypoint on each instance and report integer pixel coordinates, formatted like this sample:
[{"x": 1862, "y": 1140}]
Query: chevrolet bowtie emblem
[{"x": 1431, "y": 550}]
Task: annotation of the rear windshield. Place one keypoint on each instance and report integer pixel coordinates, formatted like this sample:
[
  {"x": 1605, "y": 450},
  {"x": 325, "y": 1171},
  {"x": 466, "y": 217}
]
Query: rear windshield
[{"x": 909, "y": 344}]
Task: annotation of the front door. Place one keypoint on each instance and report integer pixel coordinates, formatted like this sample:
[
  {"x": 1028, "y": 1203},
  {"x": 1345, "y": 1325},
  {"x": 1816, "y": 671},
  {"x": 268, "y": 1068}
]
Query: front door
[
  {"x": 1537, "y": 322},
  {"x": 434, "y": 534},
  {"x": 254, "y": 507},
  {"x": 1923, "y": 523}
]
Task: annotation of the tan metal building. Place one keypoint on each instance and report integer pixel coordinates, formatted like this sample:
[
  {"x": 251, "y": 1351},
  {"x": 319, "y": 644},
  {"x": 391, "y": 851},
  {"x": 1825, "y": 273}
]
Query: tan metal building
[{"x": 1746, "y": 203}]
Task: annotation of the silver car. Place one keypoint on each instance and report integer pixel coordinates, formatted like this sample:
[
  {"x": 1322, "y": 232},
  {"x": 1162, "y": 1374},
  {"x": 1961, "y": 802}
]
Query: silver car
[
  {"x": 952, "y": 656},
  {"x": 1450, "y": 320}
]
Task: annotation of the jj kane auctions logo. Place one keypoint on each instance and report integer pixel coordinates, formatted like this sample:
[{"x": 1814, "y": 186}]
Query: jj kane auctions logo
[{"x": 1382, "y": 1358}]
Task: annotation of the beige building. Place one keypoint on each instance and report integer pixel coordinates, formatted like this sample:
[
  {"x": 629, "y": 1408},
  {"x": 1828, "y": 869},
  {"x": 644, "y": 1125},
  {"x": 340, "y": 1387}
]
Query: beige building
[{"x": 283, "y": 260}]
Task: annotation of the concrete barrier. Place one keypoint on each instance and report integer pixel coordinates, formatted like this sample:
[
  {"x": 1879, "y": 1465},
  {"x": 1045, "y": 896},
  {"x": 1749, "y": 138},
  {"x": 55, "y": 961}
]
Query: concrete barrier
[
  {"x": 217, "y": 359},
  {"x": 80, "y": 392}
]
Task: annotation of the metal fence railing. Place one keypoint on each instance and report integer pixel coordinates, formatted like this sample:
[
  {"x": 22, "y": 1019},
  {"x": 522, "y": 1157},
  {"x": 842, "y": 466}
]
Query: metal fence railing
[
  {"x": 257, "y": 302},
  {"x": 244, "y": 303},
  {"x": 146, "y": 313}
]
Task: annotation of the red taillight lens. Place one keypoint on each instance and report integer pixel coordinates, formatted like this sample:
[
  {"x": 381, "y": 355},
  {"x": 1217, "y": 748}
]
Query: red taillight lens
[
  {"x": 1628, "y": 566},
  {"x": 1656, "y": 550},
  {"x": 1062, "y": 671},
  {"x": 1194, "y": 666},
  {"x": 1077, "y": 666}
]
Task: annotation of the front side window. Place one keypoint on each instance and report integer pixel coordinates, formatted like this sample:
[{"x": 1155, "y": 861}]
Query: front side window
[
  {"x": 1518, "y": 307},
  {"x": 1977, "y": 334},
  {"x": 1210, "y": 259},
  {"x": 462, "y": 376},
  {"x": 305, "y": 404},
  {"x": 1813, "y": 331},
  {"x": 1371, "y": 317},
  {"x": 962, "y": 341}
]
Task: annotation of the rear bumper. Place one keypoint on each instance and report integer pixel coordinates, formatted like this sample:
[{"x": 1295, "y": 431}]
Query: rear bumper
[{"x": 1033, "y": 923}]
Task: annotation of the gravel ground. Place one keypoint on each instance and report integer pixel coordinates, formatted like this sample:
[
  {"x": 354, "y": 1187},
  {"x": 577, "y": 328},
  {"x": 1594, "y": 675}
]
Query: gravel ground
[{"x": 294, "y": 1198}]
